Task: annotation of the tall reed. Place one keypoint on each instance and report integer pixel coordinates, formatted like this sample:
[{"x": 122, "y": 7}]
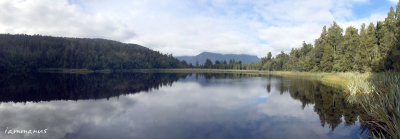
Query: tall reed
[{"x": 379, "y": 95}]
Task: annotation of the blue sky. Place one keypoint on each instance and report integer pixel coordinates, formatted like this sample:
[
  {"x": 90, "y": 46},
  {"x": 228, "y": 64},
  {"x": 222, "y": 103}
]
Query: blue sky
[
  {"x": 374, "y": 6},
  {"x": 189, "y": 27}
]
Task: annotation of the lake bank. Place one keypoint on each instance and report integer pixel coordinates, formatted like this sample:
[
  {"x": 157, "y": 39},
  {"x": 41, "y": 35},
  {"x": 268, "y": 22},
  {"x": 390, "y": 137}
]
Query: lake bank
[
  {"x": 351, "y": 82},
  {"x": 332, "y": 79}
]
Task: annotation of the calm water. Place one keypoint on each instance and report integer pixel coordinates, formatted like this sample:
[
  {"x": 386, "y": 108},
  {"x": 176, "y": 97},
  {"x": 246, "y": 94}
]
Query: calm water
[{"x": 173, "y": 106}]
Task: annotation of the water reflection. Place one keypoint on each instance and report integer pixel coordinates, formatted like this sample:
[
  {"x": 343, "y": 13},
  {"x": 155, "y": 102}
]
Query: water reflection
[
  {"x": 51, "y": 86},
  {"x": 177, "y": 106},
  {"x": 329, "y": 103}
]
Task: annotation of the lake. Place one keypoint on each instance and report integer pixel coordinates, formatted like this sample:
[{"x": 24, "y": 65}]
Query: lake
[{"x": 174, "y": 106}]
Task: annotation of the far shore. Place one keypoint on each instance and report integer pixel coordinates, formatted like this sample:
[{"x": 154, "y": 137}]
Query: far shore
[{"x": 339, "y": 79}]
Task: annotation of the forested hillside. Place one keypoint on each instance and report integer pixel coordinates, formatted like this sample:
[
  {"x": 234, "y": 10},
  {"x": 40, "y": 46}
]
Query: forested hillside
[
  {"x": 26, "y": 52},
  {"x": 375, "y": 47}
]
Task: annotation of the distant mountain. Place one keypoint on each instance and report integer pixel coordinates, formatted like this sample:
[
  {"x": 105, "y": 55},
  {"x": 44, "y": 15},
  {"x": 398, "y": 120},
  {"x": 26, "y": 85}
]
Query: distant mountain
[{"x": 246, "y": 59}]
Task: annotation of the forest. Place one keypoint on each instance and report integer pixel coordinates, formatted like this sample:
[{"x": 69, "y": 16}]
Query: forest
[
  {"x": 373, "y": 48},
  {"x": 232, "y": 64},
  {"x": 32, "y": 52}
]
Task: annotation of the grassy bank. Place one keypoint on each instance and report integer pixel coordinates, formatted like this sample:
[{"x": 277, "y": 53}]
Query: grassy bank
[
  {"x": 333, "y": 79},
  {"x": 379, "y": 94}
]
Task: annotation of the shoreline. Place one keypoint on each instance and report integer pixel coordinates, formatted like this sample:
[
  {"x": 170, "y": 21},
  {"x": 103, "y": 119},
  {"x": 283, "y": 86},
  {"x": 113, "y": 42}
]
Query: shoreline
[{"x": 338, "y": 80}]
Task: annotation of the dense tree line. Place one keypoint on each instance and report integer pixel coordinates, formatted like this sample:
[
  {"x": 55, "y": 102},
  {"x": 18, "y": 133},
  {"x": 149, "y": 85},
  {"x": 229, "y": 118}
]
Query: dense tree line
[
  {"x": 373, "y": 48},
  {"x": 26, "y": 52},
  {"x": 232, "y": 64}
]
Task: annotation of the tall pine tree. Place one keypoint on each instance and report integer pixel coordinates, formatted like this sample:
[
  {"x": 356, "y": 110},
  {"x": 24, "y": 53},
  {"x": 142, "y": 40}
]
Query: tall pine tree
[
  {"x": 350, "y": 45},
  {"x": 395, "y": 53},
  {"x": 327, "y": 59},
  {"x": 335, "y": 40},
  {"x": 318, "y": 51}
]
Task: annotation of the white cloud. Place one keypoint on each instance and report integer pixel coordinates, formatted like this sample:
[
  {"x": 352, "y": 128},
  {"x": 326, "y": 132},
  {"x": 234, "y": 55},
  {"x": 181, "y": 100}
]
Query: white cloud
[
  {"x": 290, "y": 36},
  {"x": 394, "y": 1},
  {"x": 357, "y": 23},
  {"x": 184, "y": 27},
  {"x": 58, "y": 18}
]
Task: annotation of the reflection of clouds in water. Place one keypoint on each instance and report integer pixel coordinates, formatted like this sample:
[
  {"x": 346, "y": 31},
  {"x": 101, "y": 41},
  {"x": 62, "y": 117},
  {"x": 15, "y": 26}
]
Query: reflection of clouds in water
[
  {"x": 286, "y": 116},
  {"x": 59, "y": 117},
  {"x": 283, "y": 106},
  {"x": 262, "y": 98},
  {"x": 226, "y": 109}
]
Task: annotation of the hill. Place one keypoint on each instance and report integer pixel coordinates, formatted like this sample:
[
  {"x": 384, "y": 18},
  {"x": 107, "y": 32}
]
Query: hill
[
  {"x": 201, "y": 58},
  {"x": 29, "y": 53}
]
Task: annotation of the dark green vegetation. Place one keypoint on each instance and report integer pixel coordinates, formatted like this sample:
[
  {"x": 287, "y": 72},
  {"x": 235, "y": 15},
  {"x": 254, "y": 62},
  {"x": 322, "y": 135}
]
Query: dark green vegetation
[
  {"x": 29, "y": 53},
  {"x": 232, "y": 64},
  {"x": 373, "y": 48},
  {"x": 201, "y": 58}
]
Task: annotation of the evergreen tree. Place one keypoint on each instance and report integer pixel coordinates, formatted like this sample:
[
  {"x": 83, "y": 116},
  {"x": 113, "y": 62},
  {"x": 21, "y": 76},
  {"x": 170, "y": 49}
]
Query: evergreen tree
[
  {"x": 294, "y": 62},
  {"x": 269, "y": 56},
  {"x": 350, "y": 44},
  {"x": 335, "y": 40},
  {"x": 387, "y": 41},
  {"x": 327, "y": 59},
  {"x": 197, "y": 63},
  {"x": 319, "y": 50},
  {"x": 361, "y": 56},
  {"x": 208, "y": 63},
  {"x": 281, "y": 60},
  {"x": 375, "y": 48},
  {"x": 368, "y": 47},
  {"x": 395, "y": 51},
  {"x": 264, "y": 60}
]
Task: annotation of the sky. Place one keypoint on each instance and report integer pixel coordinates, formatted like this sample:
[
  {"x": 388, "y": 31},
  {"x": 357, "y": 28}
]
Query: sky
[{"x": 189, "y": 27}]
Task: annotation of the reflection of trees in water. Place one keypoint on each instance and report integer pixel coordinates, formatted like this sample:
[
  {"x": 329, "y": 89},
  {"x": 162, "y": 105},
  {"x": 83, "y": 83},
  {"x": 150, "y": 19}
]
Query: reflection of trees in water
[
  {"x": 209, "y": 76},
  {"x": 329, "y": 103},
  {"x": 47, "y": 86},
  {"x": 51, "y": 86}
]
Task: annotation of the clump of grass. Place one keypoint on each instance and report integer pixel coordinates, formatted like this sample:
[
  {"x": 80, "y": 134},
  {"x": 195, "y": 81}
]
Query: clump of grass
[
  {"x": 359, "y": 83},
  {"x": 379, "y": 95}
]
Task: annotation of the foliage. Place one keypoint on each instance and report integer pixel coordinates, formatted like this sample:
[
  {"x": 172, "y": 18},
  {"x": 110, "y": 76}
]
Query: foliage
[
  {"x": 202, "y": 57},
  {"x": 28, "y": 53},
  {"x": 375, "y": 48},
  {"x": 233, "y": 64}
]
